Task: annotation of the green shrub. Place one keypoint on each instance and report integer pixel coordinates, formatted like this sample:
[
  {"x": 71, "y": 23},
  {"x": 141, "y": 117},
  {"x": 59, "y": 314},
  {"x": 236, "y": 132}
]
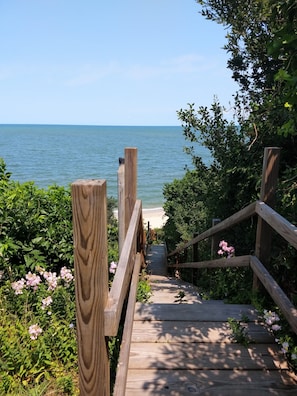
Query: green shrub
[{"x": 38, "y": 349}]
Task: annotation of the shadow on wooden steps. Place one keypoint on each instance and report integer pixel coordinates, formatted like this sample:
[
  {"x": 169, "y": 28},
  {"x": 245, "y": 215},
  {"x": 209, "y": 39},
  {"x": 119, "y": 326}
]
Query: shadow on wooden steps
[{"x": 184, "y": 346}]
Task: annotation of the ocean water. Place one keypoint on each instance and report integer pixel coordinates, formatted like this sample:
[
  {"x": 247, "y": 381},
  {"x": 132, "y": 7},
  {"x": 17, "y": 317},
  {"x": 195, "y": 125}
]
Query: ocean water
[{"x": 61, "y": 154}]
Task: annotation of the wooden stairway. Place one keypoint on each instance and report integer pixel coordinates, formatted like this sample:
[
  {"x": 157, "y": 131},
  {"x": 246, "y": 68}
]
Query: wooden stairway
[{"x": 184, "y": 346}]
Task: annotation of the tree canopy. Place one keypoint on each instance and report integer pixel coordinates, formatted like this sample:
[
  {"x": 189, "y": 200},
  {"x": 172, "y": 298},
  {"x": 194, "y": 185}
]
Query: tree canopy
[{"x": 261, "y": 42}]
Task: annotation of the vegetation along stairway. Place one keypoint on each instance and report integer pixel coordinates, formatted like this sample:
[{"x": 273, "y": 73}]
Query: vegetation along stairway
[{"x": 183, "y": 345}]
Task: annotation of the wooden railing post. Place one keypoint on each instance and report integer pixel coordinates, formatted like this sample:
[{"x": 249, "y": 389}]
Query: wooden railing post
[
  {"x": 121, "y": 203},
  {"x": 267, "y": 195},
  {"x": 130, "y": 183},
  {"x": 195, "y": 259},
  {"x": 89, "y": 207},
  {"x": 215, "y": 240}
]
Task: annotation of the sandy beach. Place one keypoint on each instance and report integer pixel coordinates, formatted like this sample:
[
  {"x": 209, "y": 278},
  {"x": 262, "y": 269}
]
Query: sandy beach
[{"x": 155, "y": 217}]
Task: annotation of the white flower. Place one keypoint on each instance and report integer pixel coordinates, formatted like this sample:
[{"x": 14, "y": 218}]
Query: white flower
[
  {"x": 276, "y": 327},
  {"x": 34, "y": 331},
  {"x": 285, "y": 347}
]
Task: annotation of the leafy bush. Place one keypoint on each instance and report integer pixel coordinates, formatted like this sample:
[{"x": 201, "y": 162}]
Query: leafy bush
[{"x": 37, "y": 300}]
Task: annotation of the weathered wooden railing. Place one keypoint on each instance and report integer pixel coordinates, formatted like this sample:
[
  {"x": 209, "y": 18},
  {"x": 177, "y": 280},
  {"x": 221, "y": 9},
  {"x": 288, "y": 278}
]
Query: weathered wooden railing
[
  {"x": 98, "y": 309},
  {"x": 268, "y": 220}
]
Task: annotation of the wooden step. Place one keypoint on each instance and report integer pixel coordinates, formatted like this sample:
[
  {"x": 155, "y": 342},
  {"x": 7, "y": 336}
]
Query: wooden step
[
  {"x": 187, "y": 348},
  {"x": 207, "y": 312},
  {"x": 194, "y": 331},
  {"x": 206, "y": 356},
  {"x": 210, "y": 383}
]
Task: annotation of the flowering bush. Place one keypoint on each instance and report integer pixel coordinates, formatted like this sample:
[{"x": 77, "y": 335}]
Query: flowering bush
[
  {"x": 37, "y": 303},
  {"x": 286, "y": 343},
  {"x": 43, "y": 287},
  {"x": 225, "y": 250},
  {"x": 41, "y": 344}
]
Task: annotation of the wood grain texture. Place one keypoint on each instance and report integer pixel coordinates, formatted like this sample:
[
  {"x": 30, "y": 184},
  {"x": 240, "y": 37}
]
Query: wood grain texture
[
  {"x": 237, "y": 261},
  {"x": 210, "y": 383},
  {"x": 121, "y": 206},
  {"x": 121, "y": 281},
  {"x": 278, "y": 295},
  {"x": 282, "y": 226},
  {"x": 122, "y": 369},
  {"x": 188, "y": 348},
  {"x": 130, "y": 183},
  {"x": 91, "y": 283}
]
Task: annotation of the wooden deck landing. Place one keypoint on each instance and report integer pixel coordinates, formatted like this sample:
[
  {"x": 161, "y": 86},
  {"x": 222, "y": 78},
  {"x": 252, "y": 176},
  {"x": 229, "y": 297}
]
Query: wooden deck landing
[{"x": 186, "y": 348}]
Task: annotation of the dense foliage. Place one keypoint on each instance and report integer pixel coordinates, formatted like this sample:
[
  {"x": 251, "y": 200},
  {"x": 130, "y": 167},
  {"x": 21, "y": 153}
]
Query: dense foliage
[
  {"x": 37, "y": 300},
  {"x": 261, "y": 44}
]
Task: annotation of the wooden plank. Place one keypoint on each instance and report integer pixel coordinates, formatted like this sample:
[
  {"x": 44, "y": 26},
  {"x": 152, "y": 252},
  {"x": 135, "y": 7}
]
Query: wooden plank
[
  {"x": 121, "y": 206},
  {"x": 206, "y": 356},
  {"x": 239, "y": 216},
  {"x": 189, "y": 332},
  {"x": 282, "y": 226},
  {"x": 210, "y": 382},
  {"x": 267, "y": 194},
  {"x": 91, "y": 283},
  {"x": 121, "y": 376},
  {"x": 185, "y": 312},
  {"x": 165, "y": 290},
  {"x": 278, "y": 295},
  {"x": 237, "y": 261},
  {"x": 120, "y": 284},
  {"x": 130, "y": 183}
]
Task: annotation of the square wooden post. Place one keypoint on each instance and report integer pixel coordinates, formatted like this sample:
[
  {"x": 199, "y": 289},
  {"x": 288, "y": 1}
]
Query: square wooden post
[
  {"x": 121, "y": 204},
  {"x": 267, "y": 195},
  {"x": 89, "y": 207},
  {"x": 130, "y": 183}
]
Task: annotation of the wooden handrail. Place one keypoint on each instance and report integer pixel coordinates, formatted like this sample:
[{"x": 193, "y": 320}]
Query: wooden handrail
[
  {"x": 236, "y": 218},
  {"x": 237, "y": 261},
  {"x": 98, "y": 310},
  {"x": 122, "y": 370},
  {"x": 282, "y": 226},
  {"x": 277, "y": 294},
  {"x": 121, "y": 281}
]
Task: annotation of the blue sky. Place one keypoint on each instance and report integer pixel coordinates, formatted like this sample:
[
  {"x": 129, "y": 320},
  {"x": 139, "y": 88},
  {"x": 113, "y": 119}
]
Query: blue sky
[{"x": 95, "y": 62}]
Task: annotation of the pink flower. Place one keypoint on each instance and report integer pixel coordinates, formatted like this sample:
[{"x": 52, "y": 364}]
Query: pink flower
[
  {"x": 52, "y": 280},
  {"x": 46, "y": 302},
  {"x": 223, "y": 245},
  {"x": 113, "y": 267},
  {"x": 66, "y": 274},
  {"x": 226, "y": 250},
  {"x": 34, "y": 331},
  {"x": 18, "y": 286},
  {"x": 33, "y": 280}
]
